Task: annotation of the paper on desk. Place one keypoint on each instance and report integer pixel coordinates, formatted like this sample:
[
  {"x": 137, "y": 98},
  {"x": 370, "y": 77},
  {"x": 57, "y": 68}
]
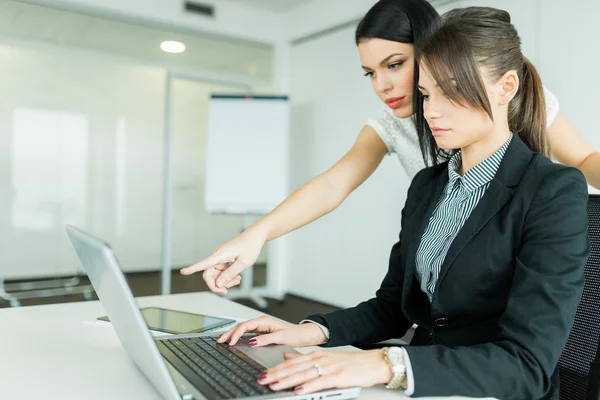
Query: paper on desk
[{"x": 106, "y": 324}]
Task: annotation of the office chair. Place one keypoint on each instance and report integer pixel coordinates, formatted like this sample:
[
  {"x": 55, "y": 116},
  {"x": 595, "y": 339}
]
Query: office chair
[{"x": 579, "y": 364}]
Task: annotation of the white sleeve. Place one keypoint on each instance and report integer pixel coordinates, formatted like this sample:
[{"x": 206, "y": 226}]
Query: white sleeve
[
  {"x": 410, "y": 379},
  {"x": 552, "y": 106},
  {"x": 383, "y": 125},
  {"x": 324, "y": 329}
]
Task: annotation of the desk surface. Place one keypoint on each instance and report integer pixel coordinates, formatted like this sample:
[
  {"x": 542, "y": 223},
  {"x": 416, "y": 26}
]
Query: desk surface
[{"x": 60, "y": 352}]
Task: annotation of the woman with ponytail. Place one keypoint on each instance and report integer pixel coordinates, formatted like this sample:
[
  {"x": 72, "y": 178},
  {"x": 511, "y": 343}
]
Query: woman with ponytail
[{"x": 491, "y": 252}]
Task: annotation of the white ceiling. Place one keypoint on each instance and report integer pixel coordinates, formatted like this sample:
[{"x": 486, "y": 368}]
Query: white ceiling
[
  {"x": 280, "y": 6},
  {"x": 42, "y": 24}
]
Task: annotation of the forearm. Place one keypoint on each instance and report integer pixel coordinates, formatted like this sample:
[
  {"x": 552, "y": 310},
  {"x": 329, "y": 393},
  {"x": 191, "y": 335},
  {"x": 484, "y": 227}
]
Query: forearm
[
  {"x": 591, "y": 169},
  {"x": 313, "y": 335},
  {"x": 369, "y": 322},
  {"x": 313, "y": 200}
]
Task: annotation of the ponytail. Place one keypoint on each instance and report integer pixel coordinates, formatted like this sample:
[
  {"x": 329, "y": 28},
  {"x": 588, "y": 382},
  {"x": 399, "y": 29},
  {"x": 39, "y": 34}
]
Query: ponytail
[{"x": 527, "y": 111}]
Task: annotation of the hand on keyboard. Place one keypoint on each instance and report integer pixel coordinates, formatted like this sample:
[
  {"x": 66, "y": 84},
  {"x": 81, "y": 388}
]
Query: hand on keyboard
[{"x": 274, "y": 331}]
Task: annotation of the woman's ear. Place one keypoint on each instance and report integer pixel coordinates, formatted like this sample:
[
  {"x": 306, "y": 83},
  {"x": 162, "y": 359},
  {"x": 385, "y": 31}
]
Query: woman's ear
[{"x": 509, "y": 86}]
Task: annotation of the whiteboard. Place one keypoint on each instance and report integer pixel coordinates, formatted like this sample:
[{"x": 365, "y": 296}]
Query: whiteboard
[{"x": 247, "y": 154}]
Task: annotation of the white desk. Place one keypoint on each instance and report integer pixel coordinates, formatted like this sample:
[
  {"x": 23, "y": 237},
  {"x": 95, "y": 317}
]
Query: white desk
[{"x": 59, "y": 352}]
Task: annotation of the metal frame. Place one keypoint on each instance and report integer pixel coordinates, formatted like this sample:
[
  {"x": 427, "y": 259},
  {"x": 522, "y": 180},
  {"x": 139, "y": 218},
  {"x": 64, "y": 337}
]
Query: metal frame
[{"x": 165, "y": 280}]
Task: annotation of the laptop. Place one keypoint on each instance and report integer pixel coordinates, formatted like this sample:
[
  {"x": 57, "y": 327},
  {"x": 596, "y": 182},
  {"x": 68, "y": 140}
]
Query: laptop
[{"x": 181, "y": 367}]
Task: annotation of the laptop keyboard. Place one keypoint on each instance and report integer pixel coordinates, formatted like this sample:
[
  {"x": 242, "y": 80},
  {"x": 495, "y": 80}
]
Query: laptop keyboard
[{"x": 217, "y": 370}]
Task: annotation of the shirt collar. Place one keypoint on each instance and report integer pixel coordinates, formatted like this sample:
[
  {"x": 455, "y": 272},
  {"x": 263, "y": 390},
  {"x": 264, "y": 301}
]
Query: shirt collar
[{"x": 479, "y": 175}]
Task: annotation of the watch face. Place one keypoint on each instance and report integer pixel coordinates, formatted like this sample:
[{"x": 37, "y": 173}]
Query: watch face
[{"x": 396, "y": 355}]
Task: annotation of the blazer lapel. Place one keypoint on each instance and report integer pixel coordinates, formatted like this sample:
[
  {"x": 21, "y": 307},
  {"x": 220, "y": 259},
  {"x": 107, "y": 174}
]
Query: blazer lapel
[
  {"x": 496, "y": 196},
  {"x": 433, "y": 192},
  {"x": 500, "y": 192}
]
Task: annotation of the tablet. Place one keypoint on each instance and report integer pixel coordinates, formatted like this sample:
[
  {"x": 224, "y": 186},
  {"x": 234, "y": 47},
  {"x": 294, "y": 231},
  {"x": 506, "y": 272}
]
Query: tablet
[{"x": 178, "y": 322}]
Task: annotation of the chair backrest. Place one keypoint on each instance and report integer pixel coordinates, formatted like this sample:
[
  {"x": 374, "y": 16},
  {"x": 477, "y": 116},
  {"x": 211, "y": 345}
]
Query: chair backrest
[{"x": 579, "y": 364}]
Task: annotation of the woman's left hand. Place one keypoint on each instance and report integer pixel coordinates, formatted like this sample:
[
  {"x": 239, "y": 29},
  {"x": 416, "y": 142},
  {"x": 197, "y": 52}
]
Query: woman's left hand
[{"x": 337, "y": 370}]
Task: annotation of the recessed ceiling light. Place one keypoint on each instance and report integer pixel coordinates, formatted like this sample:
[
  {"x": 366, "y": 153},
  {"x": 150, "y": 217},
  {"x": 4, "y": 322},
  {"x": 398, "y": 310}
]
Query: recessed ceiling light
[{"x": 171, "y": 46}]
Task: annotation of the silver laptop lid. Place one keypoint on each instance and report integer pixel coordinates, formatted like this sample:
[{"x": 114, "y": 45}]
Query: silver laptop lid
[{"x": 109, "y": 282}]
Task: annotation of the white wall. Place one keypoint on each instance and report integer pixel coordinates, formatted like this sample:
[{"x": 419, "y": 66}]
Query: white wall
[
  {"x": 82, "y": 143},
  {"x": 569, "y": 62},
  {"x": 342, "y": 257},
  {"x": 78, "y": 138},
  {"x": 317, "y": 16}
]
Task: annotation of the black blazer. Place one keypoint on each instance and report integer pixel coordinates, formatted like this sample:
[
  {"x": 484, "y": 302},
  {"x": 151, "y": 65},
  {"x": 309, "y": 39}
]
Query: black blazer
[{"x": 507, "y": 292}]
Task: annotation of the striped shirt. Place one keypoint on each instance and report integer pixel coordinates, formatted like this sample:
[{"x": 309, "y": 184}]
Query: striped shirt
[{"x": 458, "y": 200}]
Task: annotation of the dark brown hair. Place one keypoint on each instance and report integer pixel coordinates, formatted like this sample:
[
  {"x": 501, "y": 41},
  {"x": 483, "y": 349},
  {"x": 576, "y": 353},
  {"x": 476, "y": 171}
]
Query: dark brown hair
[{"x": 460, "y": 43}]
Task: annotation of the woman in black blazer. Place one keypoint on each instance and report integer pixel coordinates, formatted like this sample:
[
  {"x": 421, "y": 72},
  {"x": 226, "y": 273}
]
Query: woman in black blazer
[{"x": 489, "y": 262}]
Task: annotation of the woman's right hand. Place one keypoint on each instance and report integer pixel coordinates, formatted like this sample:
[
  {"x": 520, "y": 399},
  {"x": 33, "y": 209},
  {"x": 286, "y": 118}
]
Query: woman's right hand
[
  {"x": 223, "y": 266},
  {"x": 275, "y": 331}
]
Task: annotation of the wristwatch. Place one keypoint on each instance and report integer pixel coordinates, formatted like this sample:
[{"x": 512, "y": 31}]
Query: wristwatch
[{"x": 394, "y": 357}]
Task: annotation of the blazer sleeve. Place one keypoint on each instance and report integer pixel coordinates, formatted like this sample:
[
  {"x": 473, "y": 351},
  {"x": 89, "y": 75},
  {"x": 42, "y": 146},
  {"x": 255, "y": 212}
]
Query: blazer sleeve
[
  {"x": 379, "y": 318},
  {"x": 545, "y": 292}
]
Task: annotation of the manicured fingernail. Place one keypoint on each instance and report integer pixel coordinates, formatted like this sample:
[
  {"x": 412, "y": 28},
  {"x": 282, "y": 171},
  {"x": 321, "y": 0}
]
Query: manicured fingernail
[
  {"x": 300, "y": 389},
  {"x": 252, "y": 342},
  {"x": 275, "y": 383},
  {"x": 262, "y": 377}
]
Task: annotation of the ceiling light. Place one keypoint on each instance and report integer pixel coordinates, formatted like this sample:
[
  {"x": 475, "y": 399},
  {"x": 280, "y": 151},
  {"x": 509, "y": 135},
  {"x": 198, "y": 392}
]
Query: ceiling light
[{"x": 171, "y": 46}]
